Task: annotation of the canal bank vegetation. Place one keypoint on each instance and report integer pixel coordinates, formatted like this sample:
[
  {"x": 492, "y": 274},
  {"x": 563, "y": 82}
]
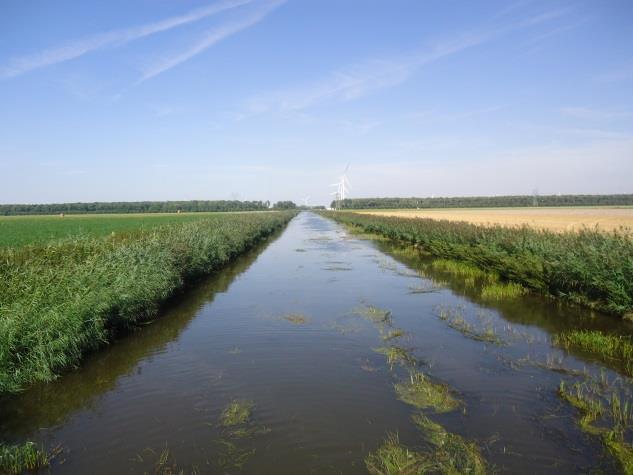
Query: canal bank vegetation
[
  {"x": 615, "y": 350},
  {"x": 62, "y": 299},
  {"x": 15, "y": 459},
  {"x": 586, "y": 267}
]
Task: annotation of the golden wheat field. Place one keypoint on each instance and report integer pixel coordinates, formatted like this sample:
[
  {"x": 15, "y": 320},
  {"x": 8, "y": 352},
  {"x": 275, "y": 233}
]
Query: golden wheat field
[{"x": 553, "y": 219}]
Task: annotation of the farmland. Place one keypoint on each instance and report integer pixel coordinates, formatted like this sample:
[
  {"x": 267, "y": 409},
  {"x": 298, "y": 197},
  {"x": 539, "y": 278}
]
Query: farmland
[
  {"x": 16, "y": 231},
  {"x": 80, "y": 281},
  {"x": 551, "y": 219},
  {"x": 587, "y": 267}
]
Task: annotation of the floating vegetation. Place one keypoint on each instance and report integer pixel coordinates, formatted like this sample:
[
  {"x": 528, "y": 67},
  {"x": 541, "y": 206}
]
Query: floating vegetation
[
  {"x": 421, "y": 392},
  {"x": 374, "y": 314},
  {"x": 393, "y": 458},
  {"x": 165, "y": 463},
  {"x": 397, "y": 355},
  {"x": 338, "y": 268},
  {"x": 502, "y": 291},
  {"x": 235, "y": 351},
  {"x": 608, "y": 348},
  {"x": 237, "y": 412},
  {"x": 393, "y": 334},
  {"x": 244, "y": 432},
  {"x": 232, "y": 456},
  {"x": 603, "y": 413},
  {"x": 449, "y": 453},
  {"x": 367, "y": 366},
  {"x": 297, "y": 318},
  {"x": 15, "y": 459},
  {"x": 454, "y": 318},
  {"x": 300, "y": 249}
]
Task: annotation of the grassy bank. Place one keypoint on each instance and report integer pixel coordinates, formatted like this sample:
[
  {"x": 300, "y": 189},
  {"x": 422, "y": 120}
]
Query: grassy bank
[
  {"x": 64, "y": 298},
  {"x": 587, "y": 267}
]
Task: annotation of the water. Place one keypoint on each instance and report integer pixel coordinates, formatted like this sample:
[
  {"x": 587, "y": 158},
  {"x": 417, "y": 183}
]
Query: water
[{"x": 323, "y": 397}]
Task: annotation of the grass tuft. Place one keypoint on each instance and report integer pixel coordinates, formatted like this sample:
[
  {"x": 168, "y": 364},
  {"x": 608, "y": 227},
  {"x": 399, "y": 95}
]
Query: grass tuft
[
  {"x": 502, "y": 291},
  {"x": 297, "y": 318},
  {"x": 238, "y": 412},
  {"x": 608, "y": 348},
  {"x": 421, "y": 392},
  {"x": 15, "y": 459}
]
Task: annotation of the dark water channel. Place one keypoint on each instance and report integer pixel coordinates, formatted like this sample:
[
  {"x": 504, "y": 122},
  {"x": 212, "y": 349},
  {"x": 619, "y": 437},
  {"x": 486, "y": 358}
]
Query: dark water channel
[{"x": 323, "y": 397}]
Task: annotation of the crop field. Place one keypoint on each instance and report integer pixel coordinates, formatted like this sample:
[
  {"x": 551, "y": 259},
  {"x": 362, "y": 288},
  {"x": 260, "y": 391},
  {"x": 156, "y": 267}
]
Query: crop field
[
  {"x": 552, "y": 219},
  {"x": 587, "y": 267},
  {"x": 16, "y": 231}
]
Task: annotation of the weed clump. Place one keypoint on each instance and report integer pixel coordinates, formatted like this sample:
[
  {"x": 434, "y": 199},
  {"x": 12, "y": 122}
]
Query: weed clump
[
  {"x": 297, "y": 318},
  {"x": 502, "y": 291},
  {"x": 608, "y": 348},
  {"x": 421, "y": 392},
  {"x": 449, "y": 453},
  {"x": 15, "y": 459},
  {"x": 237, "y": 412},
  {"x": 397, "y": 355},
  {"x": 392, "y": 458}
]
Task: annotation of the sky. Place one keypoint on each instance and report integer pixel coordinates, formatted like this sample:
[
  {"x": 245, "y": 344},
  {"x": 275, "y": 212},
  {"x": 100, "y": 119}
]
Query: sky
[{"x": 130, "y": 100}]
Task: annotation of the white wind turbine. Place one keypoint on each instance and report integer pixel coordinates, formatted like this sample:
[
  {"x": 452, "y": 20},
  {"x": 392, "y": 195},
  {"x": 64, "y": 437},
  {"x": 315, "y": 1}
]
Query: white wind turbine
[
  {"x": 342, "y": 187},
  {"x": 305, "y": 201}
]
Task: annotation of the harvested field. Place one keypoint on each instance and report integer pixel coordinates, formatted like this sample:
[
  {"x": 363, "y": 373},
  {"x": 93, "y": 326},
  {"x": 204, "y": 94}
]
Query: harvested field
[{"x": 552, "y": 219}]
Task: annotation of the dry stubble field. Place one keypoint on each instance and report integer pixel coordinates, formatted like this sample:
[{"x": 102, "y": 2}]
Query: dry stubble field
[{"x": 553, "y": 219}]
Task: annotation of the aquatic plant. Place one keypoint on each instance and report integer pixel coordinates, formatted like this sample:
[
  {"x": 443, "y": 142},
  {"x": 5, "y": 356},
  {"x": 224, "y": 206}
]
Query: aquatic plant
[
  {"x": 15, "y": 459},
  {"x": 454, "y": 318},
  {"x": 392, "y": 458},
  {"x": 60, "y": 300},
  {"x": 449, "y": 453},
  {"x": 397, "y": 355},
  {"x": 374, "y": 314},
  {"x": 603, "y": 413},
  {"x": 606, "y": 347},
  {"x": 587, "y": 267},
  {"x": 502, "y": 291},
  {"x": 421, "y": 392},
  {"x": 393, "y": 334},
  {"x": 237, "y": 412},
  {"x": 297, "y": 318}
]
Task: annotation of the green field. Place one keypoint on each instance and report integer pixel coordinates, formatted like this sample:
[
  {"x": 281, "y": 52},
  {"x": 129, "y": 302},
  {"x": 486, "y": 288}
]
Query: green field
[
  {"x": 16, "y": 231},
  {"x": 76, "y": 283}
]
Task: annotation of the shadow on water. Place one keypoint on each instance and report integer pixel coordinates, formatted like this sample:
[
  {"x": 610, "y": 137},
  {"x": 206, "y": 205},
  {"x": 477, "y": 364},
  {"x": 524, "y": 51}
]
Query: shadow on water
[{"x": 50, "y": 404}]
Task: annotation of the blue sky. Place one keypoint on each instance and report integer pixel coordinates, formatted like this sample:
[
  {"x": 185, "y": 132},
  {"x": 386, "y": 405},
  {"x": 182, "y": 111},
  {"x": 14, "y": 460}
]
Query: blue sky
[{"x": 270, "y": 99}]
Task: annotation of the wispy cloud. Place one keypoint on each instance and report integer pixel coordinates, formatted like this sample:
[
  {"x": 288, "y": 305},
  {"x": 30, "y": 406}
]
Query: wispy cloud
[
  {"x": 214, "y": 36},
  {"x": 78, "y": 48},
  {"x": 589, "y": 113},
  {"x": 373, "y": 75},
  {"x": 358, "y": 80},
  {"x": 624, "y": 73}
]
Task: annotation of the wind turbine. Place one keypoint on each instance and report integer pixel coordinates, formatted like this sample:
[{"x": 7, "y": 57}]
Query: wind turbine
[
  {"x": 305, "y": 201},
  {"x": 342, "y": 187}
]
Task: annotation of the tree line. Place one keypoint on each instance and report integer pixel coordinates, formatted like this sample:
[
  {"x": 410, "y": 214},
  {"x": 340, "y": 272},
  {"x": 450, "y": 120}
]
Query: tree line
[
  {"x": 134, "y": 207},
  {"x": 485, "y": 201}
]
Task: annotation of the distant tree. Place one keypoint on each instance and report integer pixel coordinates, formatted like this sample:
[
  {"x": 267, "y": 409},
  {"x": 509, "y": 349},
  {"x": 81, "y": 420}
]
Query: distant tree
[{"x": 284, "y": 205}]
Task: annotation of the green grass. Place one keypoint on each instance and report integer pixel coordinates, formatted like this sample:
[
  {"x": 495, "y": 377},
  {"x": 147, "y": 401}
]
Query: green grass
[
  {"x": 608, "y": 348},
  {"x": 17, "y": 231},
  {"x": 15, "y": 459},
  {"x": 65, "y": 298},
  {"x": 587, "y": 267},
  {"x": 421, "y": 392},
  {"x": 450, "y": 453},
  {"x": 392, "y": 458},
  {"x": 502, "y": 291},
  {"x": 397, "y": 355}
]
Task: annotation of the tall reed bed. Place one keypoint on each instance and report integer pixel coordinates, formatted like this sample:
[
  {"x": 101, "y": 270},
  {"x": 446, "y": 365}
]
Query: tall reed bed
[
  {"x": 63, "y": 299},
  {"x": 587, "y": 267}
]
